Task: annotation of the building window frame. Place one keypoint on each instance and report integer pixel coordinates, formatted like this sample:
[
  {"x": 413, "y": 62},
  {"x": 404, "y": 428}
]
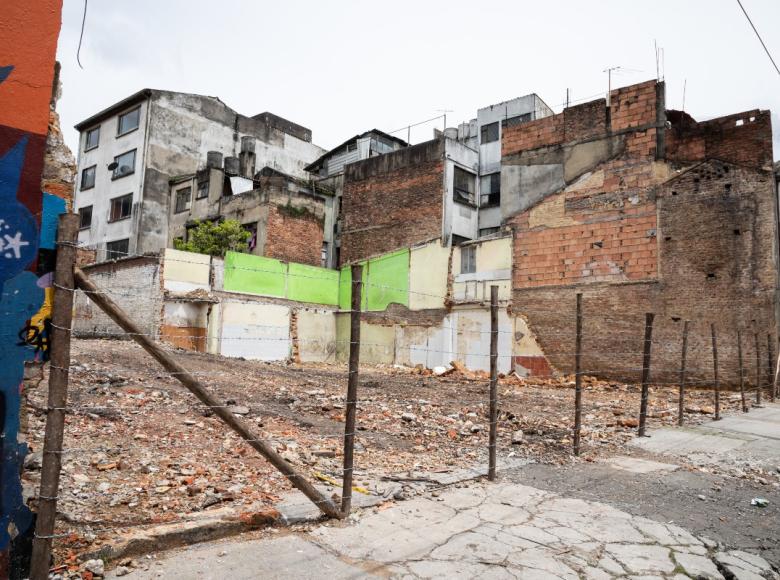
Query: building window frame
[
  {"x": 85, "y": 186},
  {"x": 468, "y": 259},
  {"x": 121, "y": 116},
  {"x": 491, "y": 197},
  {"x": 115, "y": 174},
  {"x": 115, "y": 253},
  {"x": 489, "y": 133},
  {"x": 85, "y": 217},
  {"x": 459, "y": 193},
  {"x": 87, "y": 138},
  {"x": 182, "y": 199},
  {"x": 121, "y": 202},
  {"x": 202, "y": 190}
]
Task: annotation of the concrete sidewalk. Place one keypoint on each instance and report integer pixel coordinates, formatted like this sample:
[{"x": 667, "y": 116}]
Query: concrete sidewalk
[
  {"x": 498, "y": 530},
  {"x": 752, "y": 437}
]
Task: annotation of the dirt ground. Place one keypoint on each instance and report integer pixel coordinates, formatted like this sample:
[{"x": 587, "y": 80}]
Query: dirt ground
[{"x": 140, "y": 449}]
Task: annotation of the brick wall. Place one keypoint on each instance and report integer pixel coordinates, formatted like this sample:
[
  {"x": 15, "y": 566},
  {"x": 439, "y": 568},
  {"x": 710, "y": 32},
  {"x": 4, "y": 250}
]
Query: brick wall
[
  {"x": 392, "y": 201},
  {"x": 293, "y": 235}
]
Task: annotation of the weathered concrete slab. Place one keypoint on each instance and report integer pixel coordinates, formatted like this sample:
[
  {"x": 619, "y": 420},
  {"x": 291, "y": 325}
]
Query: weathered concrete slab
[
  {"x": 637, "y": 465},
  {"x": 500, "y": 530}
]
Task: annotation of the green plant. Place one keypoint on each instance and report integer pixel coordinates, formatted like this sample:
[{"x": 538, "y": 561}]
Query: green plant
[{"x": 215, "y": 239}]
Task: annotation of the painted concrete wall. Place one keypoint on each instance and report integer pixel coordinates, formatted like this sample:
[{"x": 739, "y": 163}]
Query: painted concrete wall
[
  {"x": 184, "y": 324},
  {"x": 316, "y": 335},
  {"x": 428, "y": 269},
  {"x": 255, "y": 331},
  {"x": 385, "y": 282},
  {"x": 459, "y": 219},
  {"x": 377, "y": 342},
  {"x": 186, "y": 271},
  {"x": 30, "y": 32},
  {"x": 493, "y": 266}
]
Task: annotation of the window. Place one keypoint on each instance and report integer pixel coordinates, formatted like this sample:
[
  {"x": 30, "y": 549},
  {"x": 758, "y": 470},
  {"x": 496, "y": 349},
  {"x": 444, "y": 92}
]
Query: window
[
  {"x": 117, "y": 249},
  {"x": 252, "y": 229},
  {"x": 125, "y": 164},
  {"x": 183, "y": 199},
  {"x": 490, "y": 190},
  {"x": 203, "y": 189},
  {"x": 517, "y": 120},
  {"x": 468, "y": 259},
  {"x": 464, "y": 186},
  {"x": 128, "y": 122},
  {"x": 489, "y": 133},
  {"x": 93, "y": 139},
  {"x": 488, "y": 231},
  {"x": 85, "y": 217},
  {"x": 88, "y": 178},
  {"x": 121, "y": 207}
]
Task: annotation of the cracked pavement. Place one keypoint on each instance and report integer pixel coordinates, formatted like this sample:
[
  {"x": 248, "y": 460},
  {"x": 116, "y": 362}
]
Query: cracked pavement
[{"x": 487, "y": 530}]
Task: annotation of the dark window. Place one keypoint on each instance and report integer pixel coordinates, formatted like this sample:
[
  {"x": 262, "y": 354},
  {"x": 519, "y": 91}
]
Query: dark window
[
  {"x": 128, "y": 121},
  {"x": 183, "y": 198},
  {"x": 490, "y": 190},
  {"x": 125, "y": 164},
  {"x": 121, "y": 207},
  {"x": 88, "y": 178},
  {"x": 252, "y": 229},
  {"x": 464, "y": 186},
  {"x": 324, "y": 255},
  {"x": 468, "y": 259},
  {"x": 117, "y": 249},
  {"x": 488, "y": 231},
  {"x": 489, "y": 133},
  {"x": 93, "y": 139},
  {"x": 85, "y": 217},
  {"x": 517, "y": 120},
  {"x": 203, "y": 189}
]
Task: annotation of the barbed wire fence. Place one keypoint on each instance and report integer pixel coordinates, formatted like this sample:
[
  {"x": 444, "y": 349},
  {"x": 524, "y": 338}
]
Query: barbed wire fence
[{"x": 630, "y": 354}]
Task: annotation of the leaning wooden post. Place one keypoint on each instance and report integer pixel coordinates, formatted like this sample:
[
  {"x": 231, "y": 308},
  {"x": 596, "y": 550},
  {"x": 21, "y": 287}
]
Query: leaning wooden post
[
  {"x": 578, "y": 377},
  {"x": 646, "y": 372},
  {"x": 493, "y": 383},
  {"x": 758, "y": 370},
  {"x": 770, "y": 359},
  {"x": 715, "y": 368},
  {"x": 681, "y": 401},
  {"x": 352, "y": 387},
  {"x": 61, "y": 320},
  {"x": 741, "y": 372},
  {"x": 204, "y": 395}
]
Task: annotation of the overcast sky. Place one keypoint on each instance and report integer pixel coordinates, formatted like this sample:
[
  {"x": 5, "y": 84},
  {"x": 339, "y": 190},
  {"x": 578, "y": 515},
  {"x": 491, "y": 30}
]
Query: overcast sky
[{"x": 341, "y": 67}]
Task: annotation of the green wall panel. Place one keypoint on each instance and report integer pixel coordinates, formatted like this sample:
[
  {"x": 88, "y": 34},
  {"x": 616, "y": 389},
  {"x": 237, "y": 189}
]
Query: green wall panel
[
  {"x": 312, "y": 284},
  {"x": 254, "y": 275},
  {"x": 388, "y": 281}
]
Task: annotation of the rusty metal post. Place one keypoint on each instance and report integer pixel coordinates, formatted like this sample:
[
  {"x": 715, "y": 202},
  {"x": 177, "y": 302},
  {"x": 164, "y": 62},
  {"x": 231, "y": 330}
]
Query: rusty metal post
[
  {"x": 770, "y": 359},
  {"x": 646, "y": 373},
  {"x": 741, "y": 372},
  {"x": 352, "y": 388},
  {"x": 62, "y": 318},
  {"x": 758, "y": 370},
  {"x": 715, "y": 368},
  {"x": 578, "y": 377},
  {"x": 681, "y": 401},
  {"x": 493, "y": 383}
]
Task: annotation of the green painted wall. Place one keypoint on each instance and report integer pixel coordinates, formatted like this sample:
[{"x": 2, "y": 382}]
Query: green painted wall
[
  {"x": 385, "y": 280},
  {"x": 269, "y": 277}
]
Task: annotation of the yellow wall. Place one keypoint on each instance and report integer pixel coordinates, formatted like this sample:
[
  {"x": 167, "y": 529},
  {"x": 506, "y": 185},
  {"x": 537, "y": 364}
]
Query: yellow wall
[
  {"x": 428, "y": 266},
  {"x": 185, "y": 271}
]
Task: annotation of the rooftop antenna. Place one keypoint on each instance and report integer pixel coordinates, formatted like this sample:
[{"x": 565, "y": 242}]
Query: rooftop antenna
[
  {"x": 445, "y": 111},
  {"x": 609, "y": 81},
  {"x": 657, "y": 69},
  {"x": 685, "y": 83}
]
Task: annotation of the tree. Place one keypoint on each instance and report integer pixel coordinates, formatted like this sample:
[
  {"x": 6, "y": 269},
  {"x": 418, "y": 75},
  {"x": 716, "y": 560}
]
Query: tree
[{"x": 215, "y": 239}]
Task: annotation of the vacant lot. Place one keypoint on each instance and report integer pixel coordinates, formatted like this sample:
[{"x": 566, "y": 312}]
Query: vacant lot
[{"x": 140, "y": 449}]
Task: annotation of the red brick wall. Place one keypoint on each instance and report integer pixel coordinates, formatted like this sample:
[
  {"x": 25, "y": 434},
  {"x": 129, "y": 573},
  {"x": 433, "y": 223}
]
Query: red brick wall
[
  {"x": 392, "y": 201},
  {"x": 293, "y": 238}
]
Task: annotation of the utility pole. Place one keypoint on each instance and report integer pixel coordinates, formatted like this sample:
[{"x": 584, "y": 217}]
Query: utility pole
[{"x": 609, "y": 82}]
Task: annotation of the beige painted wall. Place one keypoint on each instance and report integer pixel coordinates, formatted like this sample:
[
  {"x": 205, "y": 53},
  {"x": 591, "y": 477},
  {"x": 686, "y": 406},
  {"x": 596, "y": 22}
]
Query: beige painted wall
[
  {"x": 255, "y": 331},
  {"x": 428, "y": 267},
  {"x": 316, "y": 335},
  {"x": 185, "y": 271}
]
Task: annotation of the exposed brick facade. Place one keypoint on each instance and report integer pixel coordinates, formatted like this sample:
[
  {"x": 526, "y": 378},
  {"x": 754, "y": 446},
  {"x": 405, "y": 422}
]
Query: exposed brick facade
[
  {"x": 662, "y": 227},
  {"x": 293, "y": 235},
  {"x": 393, "y": 201}
]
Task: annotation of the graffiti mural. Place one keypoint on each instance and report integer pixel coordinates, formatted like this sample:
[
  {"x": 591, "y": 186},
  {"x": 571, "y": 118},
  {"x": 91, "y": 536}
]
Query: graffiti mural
[{"x": 30, "y": 33}]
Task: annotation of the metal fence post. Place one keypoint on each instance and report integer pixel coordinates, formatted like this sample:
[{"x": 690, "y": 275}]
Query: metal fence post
[
  {"x": 681, "y": 402},
  {"x": 715, "y": 369},
  {"x": 646, "y": 372},
  {"x": 62, "y": 318},
  {"x": 493, "y": 382},
  {"x": 578, "y": 377},
  {"x": 352, "y": 387}
]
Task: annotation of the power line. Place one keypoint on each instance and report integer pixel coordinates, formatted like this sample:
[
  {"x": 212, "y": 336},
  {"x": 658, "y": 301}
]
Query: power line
[
  {"x": 759, "y": 37},
  {"x": 81, "y": 36}
]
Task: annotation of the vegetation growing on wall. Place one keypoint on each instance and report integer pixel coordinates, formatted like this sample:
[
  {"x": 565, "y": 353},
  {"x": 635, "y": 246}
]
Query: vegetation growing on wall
[
  {"x": 297, "y": 212},
  {"x": 215, "y": 239}
]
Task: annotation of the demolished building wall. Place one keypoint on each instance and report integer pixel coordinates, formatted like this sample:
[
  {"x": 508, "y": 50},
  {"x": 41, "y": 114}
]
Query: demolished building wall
[{"x": 608, "y": 201}]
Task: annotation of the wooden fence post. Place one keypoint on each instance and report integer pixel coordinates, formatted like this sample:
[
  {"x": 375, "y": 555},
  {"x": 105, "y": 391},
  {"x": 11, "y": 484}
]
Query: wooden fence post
[
  {"x": 578, "y": 377},
  {"x": 758, "y": 370},
  {"x": 770, "y": 360},
  {"x": 646, "y": 372},
  {"x": 61, "y": 321},
  {"x": 352, "y": 387},
  {"x": 681, "y": 401},
  {"x": 493, "y": 383},
  {"x": 741, "y": 372},
  {"x": 715, "y": 368}
]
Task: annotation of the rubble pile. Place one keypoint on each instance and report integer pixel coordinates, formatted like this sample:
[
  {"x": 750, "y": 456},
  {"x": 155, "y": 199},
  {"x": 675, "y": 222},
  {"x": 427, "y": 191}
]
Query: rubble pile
[{"x": 140, "y": 449}]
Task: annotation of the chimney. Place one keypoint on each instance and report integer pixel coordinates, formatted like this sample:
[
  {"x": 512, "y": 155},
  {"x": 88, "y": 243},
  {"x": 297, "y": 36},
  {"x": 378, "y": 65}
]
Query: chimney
[
  {"x": 214, "y": 160},
  {"x": 231, "y": 165},
  {"x": 247, "y": 157}
]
